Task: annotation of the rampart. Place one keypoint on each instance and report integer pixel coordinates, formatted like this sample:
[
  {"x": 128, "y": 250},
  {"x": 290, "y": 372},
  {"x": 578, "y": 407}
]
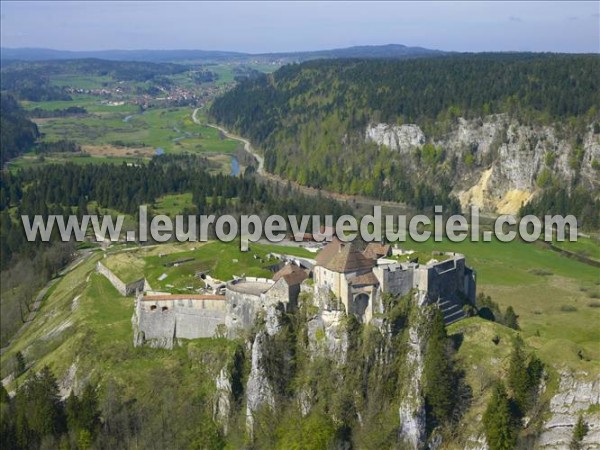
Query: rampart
[
  {"x": 160, "y": 319},
  {"x": 124, "y": 289}
]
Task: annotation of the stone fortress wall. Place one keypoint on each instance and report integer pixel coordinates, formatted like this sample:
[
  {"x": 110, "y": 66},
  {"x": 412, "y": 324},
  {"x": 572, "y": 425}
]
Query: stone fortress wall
[
  {"x": 439, "y": 279},
  {"x": 449, "y": 283},
  {"x": 161, "y": 319},
  {"x": 124, "y": 289}
]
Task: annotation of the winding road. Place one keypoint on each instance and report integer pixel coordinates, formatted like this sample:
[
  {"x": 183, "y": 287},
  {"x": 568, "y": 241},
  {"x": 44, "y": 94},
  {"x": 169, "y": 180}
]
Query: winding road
[
  {"x": 247, "y": 145},
  {"x": 358, "y": 201}
]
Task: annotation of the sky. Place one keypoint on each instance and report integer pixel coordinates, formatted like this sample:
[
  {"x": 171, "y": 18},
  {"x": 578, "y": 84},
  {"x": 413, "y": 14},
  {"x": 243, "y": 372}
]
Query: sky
[{"x": 257, "y": 27}]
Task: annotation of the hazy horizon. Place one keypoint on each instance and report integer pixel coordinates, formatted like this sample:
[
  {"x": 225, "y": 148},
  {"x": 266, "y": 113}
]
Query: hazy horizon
[{"x": 265, "y": 27}]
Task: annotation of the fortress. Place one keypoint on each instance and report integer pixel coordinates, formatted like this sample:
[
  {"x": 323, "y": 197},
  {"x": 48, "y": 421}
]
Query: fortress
[{"x": 342, "y": 277}]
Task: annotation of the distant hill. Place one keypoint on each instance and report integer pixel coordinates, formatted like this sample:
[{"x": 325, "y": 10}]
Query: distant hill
[{"x": 370, "y": 51}]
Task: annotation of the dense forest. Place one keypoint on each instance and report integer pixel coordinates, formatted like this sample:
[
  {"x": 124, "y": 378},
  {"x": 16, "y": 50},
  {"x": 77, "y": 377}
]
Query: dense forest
[
  {"x": 66, "y": 189},
  {"x": 309, "y": 119},
  {"x": 18, "y": 132},
  {"x": 413, "y": 91}
]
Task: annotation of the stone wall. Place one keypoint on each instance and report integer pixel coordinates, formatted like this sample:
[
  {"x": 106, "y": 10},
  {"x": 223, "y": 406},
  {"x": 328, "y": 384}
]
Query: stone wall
[
  {"x": 396, "y": 279},
  {"x": 124, "y": 289},
  {"x": 244, "y": 303},
  {"x": 158, "y": 322},
  {"x": 442, "y": 280}
]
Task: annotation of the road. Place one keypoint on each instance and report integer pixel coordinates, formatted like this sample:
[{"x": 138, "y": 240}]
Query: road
[
  {"x": 247, "y": 146},
  {"x": 365, "y": 204}
]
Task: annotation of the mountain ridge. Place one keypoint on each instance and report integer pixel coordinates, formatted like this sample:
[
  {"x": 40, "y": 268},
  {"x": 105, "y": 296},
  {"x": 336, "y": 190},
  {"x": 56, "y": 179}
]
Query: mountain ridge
[{"x": 394, "y": 51}]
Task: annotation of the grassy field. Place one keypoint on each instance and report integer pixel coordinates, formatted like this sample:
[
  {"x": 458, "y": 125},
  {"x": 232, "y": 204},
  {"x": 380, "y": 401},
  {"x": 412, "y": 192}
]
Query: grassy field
[
  {"x": 126, "y": 266},
  {"x": 584, "y": 246},
  {"x": 173, "y": 204},
  {"x": 170, "y": 129},
  {"x": 555, "y": 297},
  {"x": 218, "y": 259},
  {"x": 28, "y": 160}
]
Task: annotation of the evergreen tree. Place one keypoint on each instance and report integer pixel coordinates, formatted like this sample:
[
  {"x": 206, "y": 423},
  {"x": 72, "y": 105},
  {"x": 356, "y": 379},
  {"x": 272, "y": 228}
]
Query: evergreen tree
[
  {"x": 438, "y": 372},
  {"x": 518, "y": 378},
  {"x": 498, "y": 421},
  {"x": 510, "y": 318},
  {"x": 579, "y": 432},
  {"x": 38, "y": 410}
]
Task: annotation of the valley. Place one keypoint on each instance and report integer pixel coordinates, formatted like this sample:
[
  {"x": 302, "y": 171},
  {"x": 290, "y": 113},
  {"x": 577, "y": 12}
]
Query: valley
[{"x": 317, "y": 367}]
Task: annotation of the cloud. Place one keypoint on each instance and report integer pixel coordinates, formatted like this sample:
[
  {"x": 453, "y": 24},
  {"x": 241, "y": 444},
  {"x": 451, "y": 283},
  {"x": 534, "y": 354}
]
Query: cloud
[
  {"x": 596, "y": 15},
  {"x": 515, "y": 19},
  {"x": 572, "y": 18}
]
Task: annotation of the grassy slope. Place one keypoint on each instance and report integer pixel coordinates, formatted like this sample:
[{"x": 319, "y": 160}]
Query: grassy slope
[
  {"x": 97, "y": 333},
  {"x": 509, "y": 273},
  {"x": 85, "y": 320}
]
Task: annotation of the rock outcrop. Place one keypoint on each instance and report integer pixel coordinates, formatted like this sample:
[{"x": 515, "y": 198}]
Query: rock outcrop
[
  {"x": 222, "y": 406},
  {"x": 402, "y": 138},
  {"x": 500, "y": 160},
  {"x": 578, "y": 394},
  {"x": 412, "y": 408},
  {"x": 327, "y": 336},
  {"x": 259, "y": 392}
]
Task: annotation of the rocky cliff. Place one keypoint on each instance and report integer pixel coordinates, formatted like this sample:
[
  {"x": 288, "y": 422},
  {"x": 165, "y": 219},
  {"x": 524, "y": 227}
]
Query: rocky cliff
[
  {"x": 578, "y": 394},
  {"x": 501, "y": 163}
]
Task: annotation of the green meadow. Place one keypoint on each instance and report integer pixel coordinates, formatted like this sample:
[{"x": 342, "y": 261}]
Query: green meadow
[
  {"x": 171, "y": 129},
  {"x": 556, "y": 298},
  {"x": 173, "y": 267}
]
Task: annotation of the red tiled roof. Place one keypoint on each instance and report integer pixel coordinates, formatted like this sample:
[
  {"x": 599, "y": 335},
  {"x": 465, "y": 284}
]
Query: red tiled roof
[
  {"x": 368, "y": 278},
  {"x": 347, "y": 258},
  {"x": 152, "y": 298},
  {"x": 292, "y": 274},
  {"x": 376, "y": 250}
]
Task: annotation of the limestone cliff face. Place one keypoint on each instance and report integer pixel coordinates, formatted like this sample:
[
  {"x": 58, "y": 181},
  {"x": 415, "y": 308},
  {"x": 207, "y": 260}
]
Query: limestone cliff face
[
  {"x": 412, "y": 408},
  {"x": 222, "y": 405},
  {"x": 499, "y": 160},
  {"x": 327, "y": 336},
  {"x": 396, "y": 137},
  {"x": 259, "y": 391},
  {"x": 577, "y": 394}
]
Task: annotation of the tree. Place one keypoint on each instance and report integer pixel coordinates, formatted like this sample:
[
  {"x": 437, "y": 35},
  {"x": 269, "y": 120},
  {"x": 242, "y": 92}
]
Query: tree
[
  {"x": 439, "y": 374},
  {"x": 21, "y": 366},
  {"x": 498, "y": 421},
  {"x": 38, "y": 410},
  {"x": 524, "y": 374},
  {"x": 579, "y": 432},
  {"x": 510, "y": 318},
  {"x": 518, "y": 378}
]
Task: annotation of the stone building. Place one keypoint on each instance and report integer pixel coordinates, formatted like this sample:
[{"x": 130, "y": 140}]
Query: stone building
[
  {"x": 344, "y": 279},
  {"x": 159, "y": 320},
  {"x": 348, "y": 274},
  {"x": 358, "y": 279}
]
